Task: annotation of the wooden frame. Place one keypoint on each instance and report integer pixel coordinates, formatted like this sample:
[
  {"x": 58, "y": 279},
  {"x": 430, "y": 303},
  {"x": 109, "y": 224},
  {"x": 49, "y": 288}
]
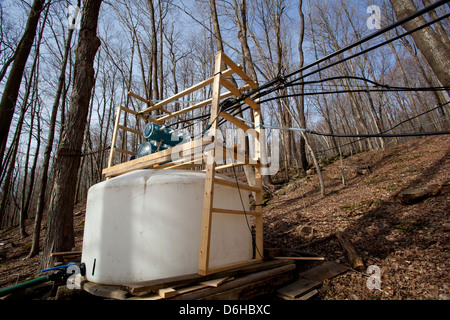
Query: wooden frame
[{"x": 162, "y": 159}]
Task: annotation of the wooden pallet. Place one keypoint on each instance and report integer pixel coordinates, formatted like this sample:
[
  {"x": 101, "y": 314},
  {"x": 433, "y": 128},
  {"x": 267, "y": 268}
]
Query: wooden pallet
[{"x": 240, "y": 283}]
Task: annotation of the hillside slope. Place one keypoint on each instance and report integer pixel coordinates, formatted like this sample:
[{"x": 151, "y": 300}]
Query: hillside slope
[{"x": 409, "y": 243}]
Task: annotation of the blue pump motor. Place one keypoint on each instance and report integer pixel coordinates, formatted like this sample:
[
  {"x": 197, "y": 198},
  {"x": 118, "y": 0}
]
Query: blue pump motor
[
  {"x": 144, "y": 149},
  {"x": 149, "y": 147},
  {"x": 155, "y": 132}
]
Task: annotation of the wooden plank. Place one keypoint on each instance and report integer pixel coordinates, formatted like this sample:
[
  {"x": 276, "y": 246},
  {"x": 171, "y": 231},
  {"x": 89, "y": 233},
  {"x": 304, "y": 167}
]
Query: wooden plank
[
  {"x": 205, "y": 237},
  {"x": 134, "y": 95},
  {"x": 68, "y": 253},
  {"x": 197, "y": 160},
  {"x": 233, "y": 265},
  {"x": 151, "y": 159},
  {"x": 301, "y": 258},
  {"x": 195, "y": 106},
  {"x": 128, "y": 110},
  {"x": 253, "y": 290},
  {"x": 125, "y": 109},
  {"x": 237, "y": 69},
  {"x": 216, "y": 282},
  {"x": 324, "y": 271},
  {"x": 232, "y": 184},
  {"x": 184, "y": 166},
  {"x": 308, "y": 295},
  {"x": 125, "y": 151},
  {"x": 167, "y": 293},
  {"x": 105, "y": 291},
  {"x": 153, "y": 285},
  {"x": 229, "y": 166},
  {"x": 250, "y": 213},
  {"x": 265, "y": 276},
  {"x": 190, "y": 288},
  {"x": 238, "y": 123},
  {"x": 114, "y": 136},
  {"x": 237, "y": 93},
  {"x": 297, "y": 289},
  {"x": 259, "y": 228},
  {"x": 183, "y": 93},
  {"x": 131, "y": 130},
  {"x": 149, "y": 296}
]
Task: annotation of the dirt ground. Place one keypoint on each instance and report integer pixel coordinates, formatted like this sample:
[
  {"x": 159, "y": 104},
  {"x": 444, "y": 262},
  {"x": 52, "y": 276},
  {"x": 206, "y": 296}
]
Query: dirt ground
[{"x": 408, "y": 243}]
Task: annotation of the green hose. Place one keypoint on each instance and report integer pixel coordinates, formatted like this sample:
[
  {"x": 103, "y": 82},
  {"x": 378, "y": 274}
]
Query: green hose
[{"x": 24, "y": 285}]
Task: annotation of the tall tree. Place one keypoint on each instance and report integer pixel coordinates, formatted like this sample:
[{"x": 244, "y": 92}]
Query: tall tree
[
  {"x": 60, "y": 236},
  {"x": 434, "y": 48},
  {"x": 12, "y": 86},
  {"x": 48, "y": 149},
  {"x": 301, "y": 100}
]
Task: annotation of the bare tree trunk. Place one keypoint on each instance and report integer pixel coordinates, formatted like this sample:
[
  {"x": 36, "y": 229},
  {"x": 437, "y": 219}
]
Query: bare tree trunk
[
  {"x": 12, "y": 86},
  {"x": 60, "y": 235},
  {"x": 27, "y": 195},
  {"x": 24, "y": 108},
  {"x": 433, "y": 47},
  {"x": 154, "y": 54},
  {"x": 301, "y": 100},
  {"x": 249, "y": 67},
  {"x": 48, "y": 150}
]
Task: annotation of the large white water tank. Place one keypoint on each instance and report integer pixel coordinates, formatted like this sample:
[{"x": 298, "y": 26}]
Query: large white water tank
[{"x": 146, "y": 225}]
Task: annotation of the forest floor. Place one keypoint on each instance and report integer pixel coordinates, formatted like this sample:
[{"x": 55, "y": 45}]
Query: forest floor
[{"x": 409, "y": 243}]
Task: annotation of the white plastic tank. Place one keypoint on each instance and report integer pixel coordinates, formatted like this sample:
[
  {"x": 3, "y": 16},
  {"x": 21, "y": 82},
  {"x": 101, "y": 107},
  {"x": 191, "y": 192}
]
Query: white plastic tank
[{"x": 146, "y": 225}]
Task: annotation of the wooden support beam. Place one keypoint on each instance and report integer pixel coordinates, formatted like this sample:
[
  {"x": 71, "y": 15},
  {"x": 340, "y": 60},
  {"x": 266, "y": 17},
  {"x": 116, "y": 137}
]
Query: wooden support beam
[
  {"x": 238, "y": 69},
  {"x": 134, "y": 95},
  {"x": 229, "y": 166},
  {"x": 186, "y": 92},
  {"x": 238, "y": 123},
  {"x": 195, "y": 106},
  {"x": 131, "y": 130},
  {"x": 237, "y": 93},
  {"x": 125, "y": 151},
  {"x": 151, "y": 159},
  {"x": 232, "y": 266},
  {"x": 230, "y": 211},
  {"x": 205, "y": 238},
  {"x": 232, "y": 184},
  {"x": 259, "y": 232},
  {"x": 114, "y": 136},
  {"x": 67, "y": 253},
  {"x": 157, "y": 121},
  {"x": 128, "y": 110}
]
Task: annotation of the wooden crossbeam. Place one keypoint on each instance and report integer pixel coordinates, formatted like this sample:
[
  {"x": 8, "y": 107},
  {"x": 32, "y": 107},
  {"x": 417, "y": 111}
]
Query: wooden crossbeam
[
  {"x": 237, "y": 69},
  {"x": 183, "y": 93},
  {"x": 238, "y": 123},
  {"x": 233, "y": 184},
  {"x": 125, "y": 151},
  {"x": 201, "y": 104},
  {"x": 131, "y": 130},
  {"x": 227, "y": 84},
  {"x": 220, "y": 210},
  {"x": 151, "y": 159}
]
